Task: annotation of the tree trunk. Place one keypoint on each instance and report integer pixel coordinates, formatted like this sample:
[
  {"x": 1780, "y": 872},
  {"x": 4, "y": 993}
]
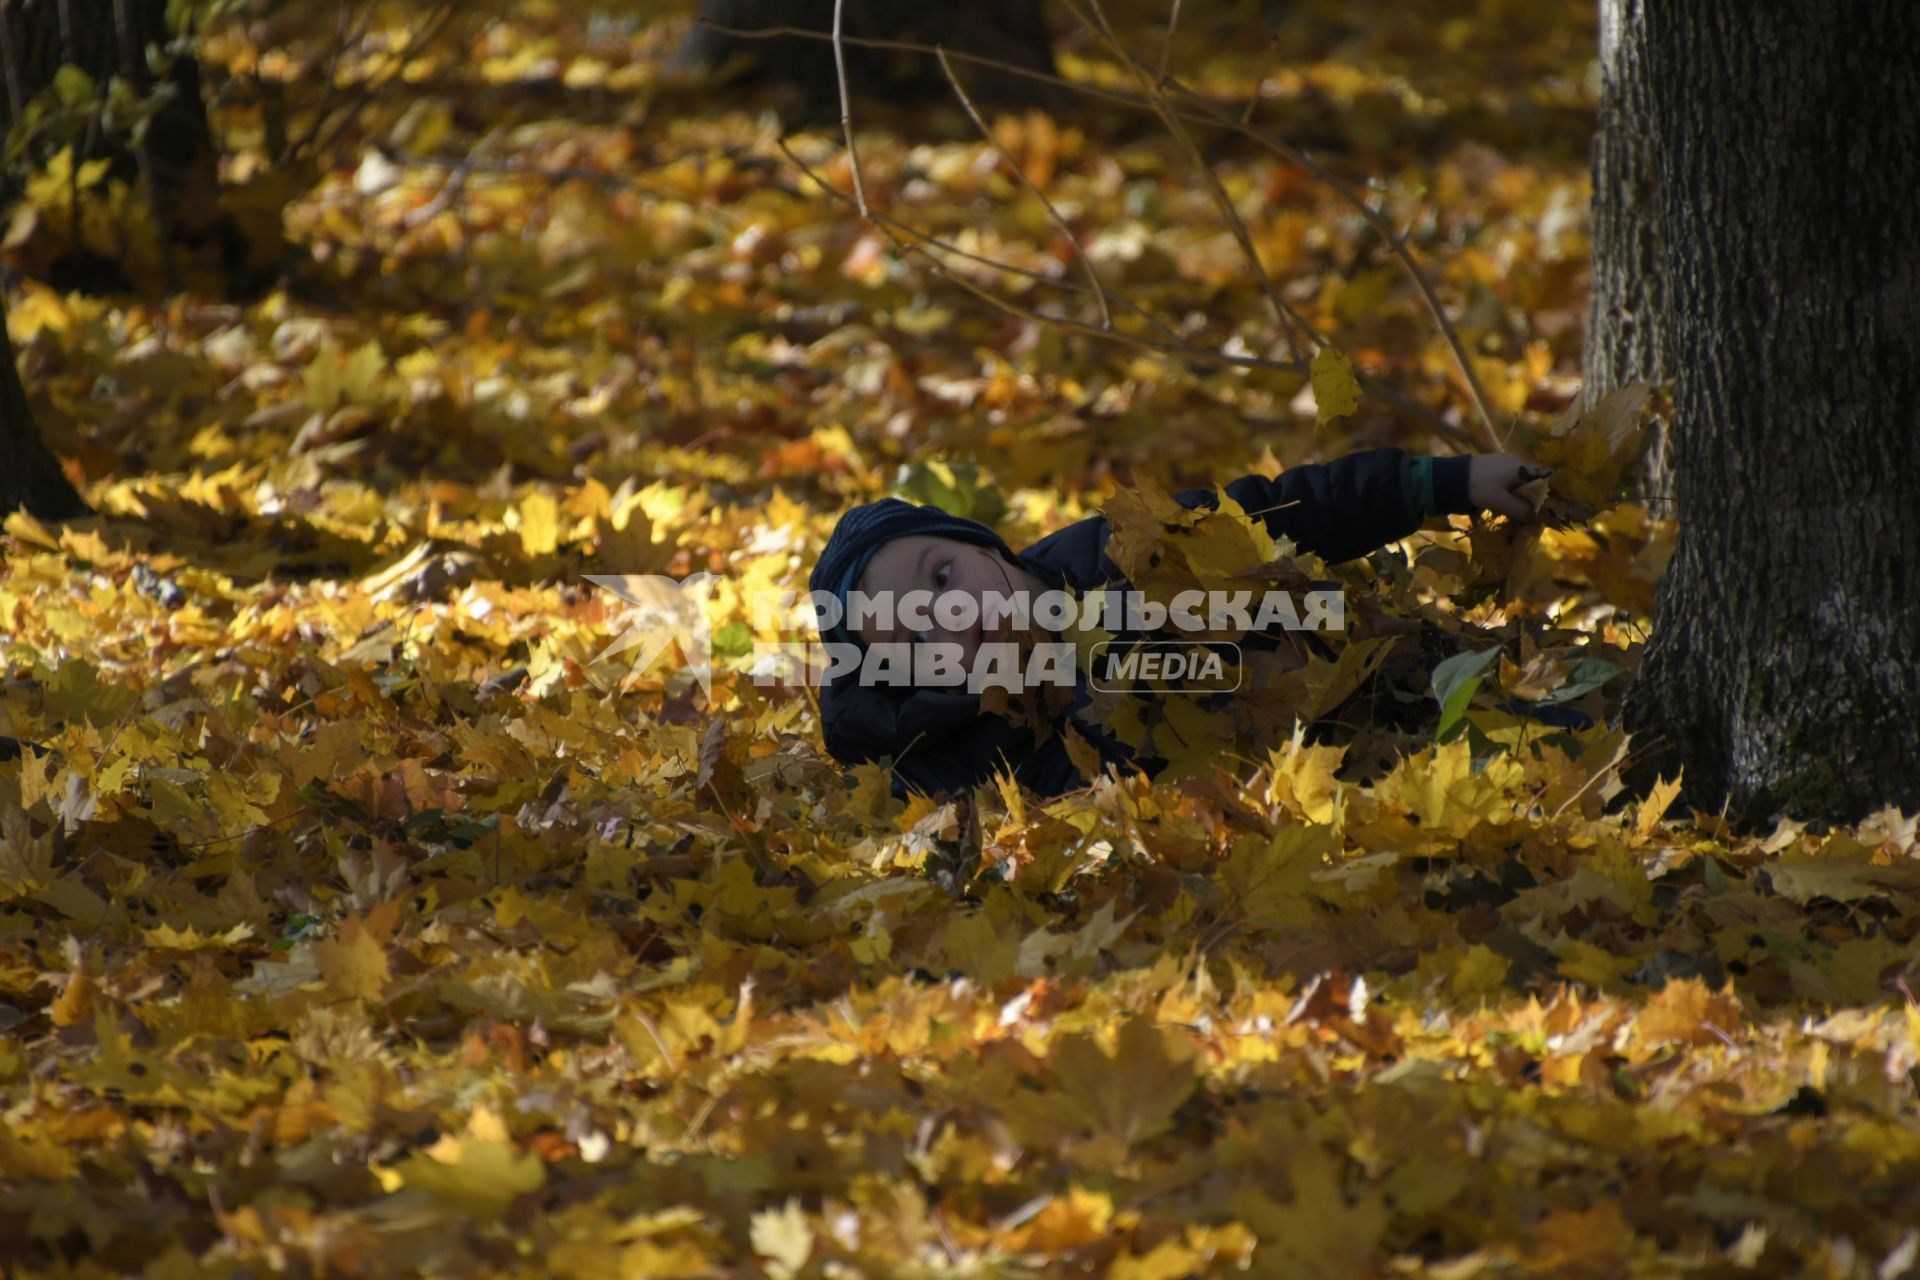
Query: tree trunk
[
  {"x": 175, "y": 164},
  {"x": 1784, "y": 668},
  {"x": 30, "y": 478},
  {"x": 1010, "y": 31},
  {"x": 1627, "y": 312}
]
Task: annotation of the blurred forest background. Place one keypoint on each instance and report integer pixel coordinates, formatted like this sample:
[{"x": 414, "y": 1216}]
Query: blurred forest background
[{"x": 468, "y": 168}]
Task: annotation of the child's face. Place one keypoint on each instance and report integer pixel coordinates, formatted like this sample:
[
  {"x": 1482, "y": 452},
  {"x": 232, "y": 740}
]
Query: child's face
[{"x": 942, "y": 566}]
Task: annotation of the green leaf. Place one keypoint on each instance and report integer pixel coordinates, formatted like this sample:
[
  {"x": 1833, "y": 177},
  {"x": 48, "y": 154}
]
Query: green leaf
[
  {"x": 317, "y": 797},
  {"x": 299, "y": 927},
  {"x": 1482, "y": 748},
  {"x": 1716, "y": 879},
  {"x": 957, "y": 488},
  {"x": 73, "y": 86},
  {"x": 1587, "y": 675},
  {"x": 734, "y": 640},
  {"x": 1454, "y": 684},
  {"x": 434, "y": 826}
]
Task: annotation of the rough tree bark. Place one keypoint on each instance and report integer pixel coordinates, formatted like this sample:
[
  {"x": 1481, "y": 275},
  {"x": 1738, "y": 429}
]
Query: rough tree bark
[
  {"x": 1627, "y": 313},
  {"x": 1011, "y": 31},
  {"x": 1784, "y": 668}
]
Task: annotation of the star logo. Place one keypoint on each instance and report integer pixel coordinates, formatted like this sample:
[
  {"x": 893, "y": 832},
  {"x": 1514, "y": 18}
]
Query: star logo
[{"x": 665, "y": 611}]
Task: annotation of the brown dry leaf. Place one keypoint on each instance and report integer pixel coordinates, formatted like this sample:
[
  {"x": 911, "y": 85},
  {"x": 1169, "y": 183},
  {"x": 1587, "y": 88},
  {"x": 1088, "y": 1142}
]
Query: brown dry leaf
[
  {"x": 354, "y": 964},
  {"x": 1687, "y": 1012}
]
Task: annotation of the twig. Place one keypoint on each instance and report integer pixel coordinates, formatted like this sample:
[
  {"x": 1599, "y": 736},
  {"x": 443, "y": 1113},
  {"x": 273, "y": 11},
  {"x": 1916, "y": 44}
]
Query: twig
[
  {"x": 859, "y": 183},
  {"x": 1381, "y": 227},
  {"x": 1093, "y": 278},
  {"x": 1204, "y": 111},
  {"x": 1166, "y": 52},
  {"x": 1395, "y": 244},
  {"x": 673, "y": 1066},
  {"x": 914, "y": 46},
  {"x": 454, "y": 185},
  {"x": 1282, "y": 313},
  {"x": 946, "y": 1237},
  {"x": 846, "y": 108},
  {"x": 895, "y": 228},
  {"x": 888, "y": 223},
  {"x": 1610, "y": 769},
  {"x": 1179, "y": 349},
  {"x": 1253, "y": 99},
  {"x": 1414, "y": 409},
  {"x": 341, "y": 39},
  {"x": 428, "y": 31},
  {"x": 16, "y": 100}
]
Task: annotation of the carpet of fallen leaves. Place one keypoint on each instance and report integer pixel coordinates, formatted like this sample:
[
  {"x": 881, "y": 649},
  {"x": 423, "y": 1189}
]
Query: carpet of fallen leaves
[{"x": 355, "y": 921}]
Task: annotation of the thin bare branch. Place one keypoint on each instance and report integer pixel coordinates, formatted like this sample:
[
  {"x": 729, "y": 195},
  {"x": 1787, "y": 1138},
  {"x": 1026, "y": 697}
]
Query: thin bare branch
[
  {"x": 1166, "y": 51},
  {"x": 1093, "y": 277},
  {"x": 453, "y": 188},
  {"x": 1378, "y": 223},
  {"x": 1203, "y": 111},
  {"x": 16, "y": 100},
  {"x": 1200, "y": 110},
  {"x": 342, "y": 38},
  {"x": 888, "y": 223},
  {"x": 1282, "y": 313},
  {"x": 1414, "y": 409},
  {"x": 912, "y": 46},
  {"x": 846, "y": 107},
  {"x": 1253, "y": 99},
  {"x": 427, "y": 31},
  {"x": 892, "y": 228}
]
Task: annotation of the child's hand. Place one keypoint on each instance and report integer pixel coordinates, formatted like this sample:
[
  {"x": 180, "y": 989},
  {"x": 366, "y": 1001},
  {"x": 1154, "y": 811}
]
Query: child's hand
[{"x": 1495, "y": 482}]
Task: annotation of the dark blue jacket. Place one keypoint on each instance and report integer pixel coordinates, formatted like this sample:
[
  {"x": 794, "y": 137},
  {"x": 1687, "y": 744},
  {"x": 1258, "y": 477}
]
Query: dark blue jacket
[{"x": 940, "y": 740}]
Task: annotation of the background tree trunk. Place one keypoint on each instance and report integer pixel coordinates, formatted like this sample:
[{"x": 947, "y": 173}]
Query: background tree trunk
[
  {"x": 1011, "y": 31},
  {"x": 1785, "y": 661},
  {"x": 175, "y": 164},
  {"x": 1627, "y": 314},
  {"x": 30, "y": 477}
]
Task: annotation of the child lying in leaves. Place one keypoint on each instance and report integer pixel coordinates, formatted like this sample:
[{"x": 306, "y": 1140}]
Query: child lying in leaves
[{"x": 948, "y": 737}]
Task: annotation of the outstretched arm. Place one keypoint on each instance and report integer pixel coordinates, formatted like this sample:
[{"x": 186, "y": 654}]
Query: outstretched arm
[{"x": 1345, "y": 508}]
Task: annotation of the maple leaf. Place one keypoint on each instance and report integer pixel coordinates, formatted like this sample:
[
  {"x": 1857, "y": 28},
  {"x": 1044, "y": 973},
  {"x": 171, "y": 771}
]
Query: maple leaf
[
  {"x": 353, "y": 964},
  {"x": 1590, "y": 451},
  {"x": 478, "y": 1173},
  {"x": 783, "y": 1236},
  {"x": 1336, "y": 392},
  {"x": 1272, "y": 879},
  {"x": 1318, "y": 1232},
  {"x": 1133, "y": 1092},
  {"x": 1686, "y": 1011}
]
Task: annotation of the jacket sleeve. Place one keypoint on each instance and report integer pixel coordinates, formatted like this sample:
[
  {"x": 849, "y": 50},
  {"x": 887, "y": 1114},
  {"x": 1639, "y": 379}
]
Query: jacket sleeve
[
  {"x": 1345, "y": 508},
  {"x": 938, "y": 739}
]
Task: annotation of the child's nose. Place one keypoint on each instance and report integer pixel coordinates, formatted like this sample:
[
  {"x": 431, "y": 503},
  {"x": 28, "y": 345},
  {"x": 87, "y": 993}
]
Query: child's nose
[{"x": 954, "y": 618}]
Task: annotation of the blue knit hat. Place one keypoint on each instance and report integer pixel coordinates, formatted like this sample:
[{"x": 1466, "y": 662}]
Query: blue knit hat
[{"x": 870, "y": 526}]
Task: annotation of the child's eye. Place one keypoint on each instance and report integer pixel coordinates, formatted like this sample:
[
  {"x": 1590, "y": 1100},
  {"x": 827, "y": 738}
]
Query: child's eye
[{"x": 941, "y": 574}]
